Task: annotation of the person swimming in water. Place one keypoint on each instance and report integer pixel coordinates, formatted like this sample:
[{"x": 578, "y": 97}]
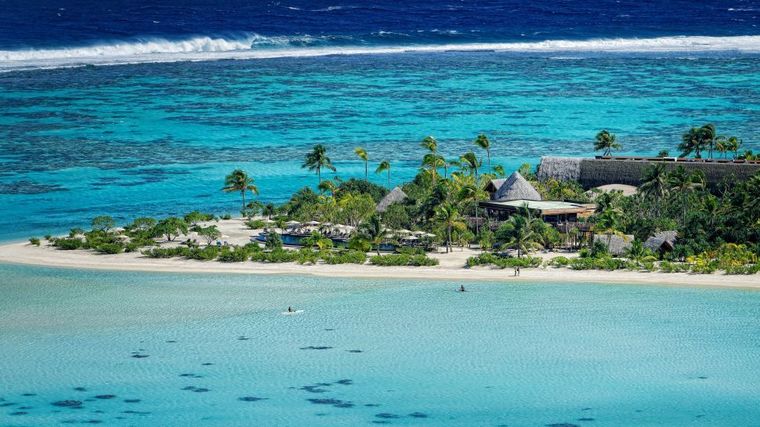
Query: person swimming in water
[
  {"x": 461, "y": 288},
  {"x": 290, "y": 309}
]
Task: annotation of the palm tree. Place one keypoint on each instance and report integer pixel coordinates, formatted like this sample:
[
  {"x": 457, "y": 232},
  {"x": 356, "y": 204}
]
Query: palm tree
[
  {"x": 733, "y": 144},
  {"x": 707, "y": 133},
  {"x": 655, "y": 184},
  {"x": 483, "y": 142},
  {"x": 520, "y": 232},
  {"x": 317, "y": 159},
  {"x": 238, "y": 180},
  {"x": 327, "y": 186},
  {"x": 448, "y": 218},
  {"x": 696, "y": 140},
  {"x": 683, "y": 183},
  {"x": 362, "y": 153},
  {"x": 472, "y": 193},
  {"x": 385, "y": 166},
  {"x": 606, "y": 141},
  {"x": 374, "y": 231},
  {"x": 471, "y": 162},
  {"x": 430, "y": 143},
  {"x": 433, "y": 162}
]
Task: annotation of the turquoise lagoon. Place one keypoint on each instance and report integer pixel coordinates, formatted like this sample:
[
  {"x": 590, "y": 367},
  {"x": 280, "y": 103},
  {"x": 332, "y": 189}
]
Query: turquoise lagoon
[
  {"x": 157, "y": 139},
  {"x": 170, "y": 349}
]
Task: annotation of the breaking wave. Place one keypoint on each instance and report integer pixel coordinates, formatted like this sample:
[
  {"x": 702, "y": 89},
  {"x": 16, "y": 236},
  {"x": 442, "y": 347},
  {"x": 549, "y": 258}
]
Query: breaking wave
[{"x": 251, "y": 46}]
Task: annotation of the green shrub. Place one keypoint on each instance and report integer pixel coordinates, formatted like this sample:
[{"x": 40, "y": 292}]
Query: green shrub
[
  {"x": 273, "y": 241},
  {"x": 345, "y": 257},
  {"x": 68, "y": 243},
  {"x": 236, "y": 254},
  {"x": 226, "y": 216},
  {"x": 110, "y": 248},
  {"x": 674, "y": 267},
  {"x": 48, "y": 237},
  {"x": 34, "y": 241},
  {"x": 255, "y": 224},
  {"x": 209, "y": 253},
  {"x": 403, "y": 260},
  {"x": 559, "y": 261},
  {"x": 503, "y": 262}
]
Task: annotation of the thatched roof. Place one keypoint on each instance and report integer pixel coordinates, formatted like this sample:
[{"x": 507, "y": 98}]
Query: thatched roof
[
  {"x": 396, "y": 195},
  {"x": 616, "y": 245},
  {"x": 494, "y": 185},
  {"x": 663, "y": 240},
  {"x": 516, "y": 188},
  {"x": 560, "y": 168}
]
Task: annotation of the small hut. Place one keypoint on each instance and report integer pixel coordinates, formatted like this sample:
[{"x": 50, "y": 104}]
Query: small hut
[
  {"x": 616, "y": 245},
  {"x": 516, "y": 188},
  {"x": 663, "y": 241},
  {"x": 396, "y": 195},
  {"x": 493, "y": 186}
]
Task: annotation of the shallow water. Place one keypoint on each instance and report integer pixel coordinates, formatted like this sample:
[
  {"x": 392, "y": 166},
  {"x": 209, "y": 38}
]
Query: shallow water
[
  {"x": 189, "y": 347},
  {"x": 157, "y": 139}
]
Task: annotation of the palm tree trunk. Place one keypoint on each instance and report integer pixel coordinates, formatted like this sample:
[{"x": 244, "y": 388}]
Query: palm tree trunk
[
  {"x": 448, "y": 245},
  {"x": 243, "y": 194},
  {"x": 319, "y": 174},
  {"x": 477, "y": 219}
]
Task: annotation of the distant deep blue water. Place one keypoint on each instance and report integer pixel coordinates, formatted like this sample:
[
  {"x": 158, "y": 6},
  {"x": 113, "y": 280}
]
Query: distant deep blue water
[
  {"x": 42, "y": 23},
  {"x": 365, "y": 351},
  {"x": 156, "y": 137}
]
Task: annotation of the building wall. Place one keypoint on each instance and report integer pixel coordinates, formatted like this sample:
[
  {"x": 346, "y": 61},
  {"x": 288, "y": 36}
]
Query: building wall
[{"x": 595, "y": 172}]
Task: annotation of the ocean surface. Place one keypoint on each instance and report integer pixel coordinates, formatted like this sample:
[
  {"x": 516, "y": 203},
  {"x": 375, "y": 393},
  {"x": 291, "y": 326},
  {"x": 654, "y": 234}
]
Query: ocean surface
[
  {"x": 132, "y": 110},
  {"x": 165, "y": 349}
]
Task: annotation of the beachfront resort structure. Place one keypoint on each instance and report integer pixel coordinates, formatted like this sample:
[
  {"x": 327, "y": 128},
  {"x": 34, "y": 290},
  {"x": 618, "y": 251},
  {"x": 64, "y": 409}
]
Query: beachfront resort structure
[{"x": 508, "y": 196}]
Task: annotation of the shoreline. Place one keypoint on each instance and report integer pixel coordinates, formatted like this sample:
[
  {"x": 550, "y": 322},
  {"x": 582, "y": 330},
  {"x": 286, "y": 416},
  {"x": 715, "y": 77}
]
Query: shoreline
[{"x": 451, "y": 268}]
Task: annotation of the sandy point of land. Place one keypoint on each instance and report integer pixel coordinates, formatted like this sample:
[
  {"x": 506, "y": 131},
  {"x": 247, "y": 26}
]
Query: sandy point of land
[{"x": 451, "y": 268}]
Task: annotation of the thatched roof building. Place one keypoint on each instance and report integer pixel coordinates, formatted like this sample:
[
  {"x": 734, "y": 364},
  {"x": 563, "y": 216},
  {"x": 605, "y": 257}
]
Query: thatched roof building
[
  {"x": 516, "y": 188},
  {"x": 493, "y": 186},
  {"x": 396, "y": 195},
  {"x": 594, "y": 172},
  {"x": 616, "y": 244},
  {"x": 663, "y": 241}
]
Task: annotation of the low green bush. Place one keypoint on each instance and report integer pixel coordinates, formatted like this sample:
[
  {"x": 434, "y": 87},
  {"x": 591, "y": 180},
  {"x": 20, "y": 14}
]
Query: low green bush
[
  {"x": 559, "y": 261},
  {"x": 235, "y": 254},
  {"x": 503, "y": 262},
  {"x": 403, "y": 260},
  {"x": 255, "y": 224},
  {"x": 345, "y": 257},
  {"x": 34, "y": 241},
  {"x": 68, "y": 243},
  {"x": 110, "y": 248}
]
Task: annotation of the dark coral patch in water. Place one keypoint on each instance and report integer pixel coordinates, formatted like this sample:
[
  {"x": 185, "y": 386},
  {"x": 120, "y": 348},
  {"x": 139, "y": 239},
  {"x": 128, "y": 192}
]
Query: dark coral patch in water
[
  {"x": 92, "y": 422},
  {"x": 586, "y": 419},
  {"x": 344, "y": 382},
  {"x": 207, "y": 364},
  {"x": 316, "y": 388},
  {"x": 251, "y": 398},
  {"x": 243, "y": 338},
  {"x": 17, "y": 413},
  {"x": 80, "y": 389},
  {"x": 136, "y": 412},
  {"x": 562, "y": 425},
  {"x": 139, "y": 355},
  {"x": 418, "y": 415},
  {"x": 105, "y": 396},
  {"x": 387, "y": 416},
  {"x": 372, "y": 405},
  {"x": 316, "y": 347},
  {"x": 354, "y": 351},
  {"x": 334, "y": 402},
  {"x": 6, "y": 404},
  {"x": 171, "y": 341},
  {"x": 29, "y": 394},
  {"x": 380, "y": 422},
  {"x": 131, "y": 400},
  {"x": 191, "y": 375},
  {"x": 68, "y": 403}
]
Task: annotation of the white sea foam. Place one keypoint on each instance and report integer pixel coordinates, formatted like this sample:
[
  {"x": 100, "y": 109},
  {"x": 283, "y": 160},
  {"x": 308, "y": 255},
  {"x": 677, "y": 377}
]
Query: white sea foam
[{"x": 252, "y": 46}]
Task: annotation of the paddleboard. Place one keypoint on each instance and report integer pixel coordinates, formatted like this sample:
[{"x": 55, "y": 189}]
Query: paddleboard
[{"x": 290, "y": 313}]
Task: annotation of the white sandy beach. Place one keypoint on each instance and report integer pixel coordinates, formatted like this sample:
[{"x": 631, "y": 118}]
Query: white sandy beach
[{"x": 451, "y": 267}]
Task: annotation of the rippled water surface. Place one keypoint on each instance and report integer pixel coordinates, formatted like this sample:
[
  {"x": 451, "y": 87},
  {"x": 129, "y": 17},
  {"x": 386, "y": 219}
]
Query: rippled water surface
[
  {"x": 157, "y": 139},
  {"x": 164, "y": 349}
]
